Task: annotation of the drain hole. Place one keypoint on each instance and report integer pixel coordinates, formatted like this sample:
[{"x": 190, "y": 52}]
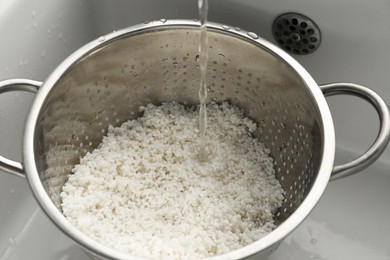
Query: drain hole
[{"x": 296, "y": 33}]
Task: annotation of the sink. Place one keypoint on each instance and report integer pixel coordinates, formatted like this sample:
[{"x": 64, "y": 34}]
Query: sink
[{"x": 349, "y": 222}]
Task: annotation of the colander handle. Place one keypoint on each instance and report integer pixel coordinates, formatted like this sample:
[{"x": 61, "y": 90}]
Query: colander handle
[
  {"x": 8, "y": 85},
  {"x": 381, "y": 141}
]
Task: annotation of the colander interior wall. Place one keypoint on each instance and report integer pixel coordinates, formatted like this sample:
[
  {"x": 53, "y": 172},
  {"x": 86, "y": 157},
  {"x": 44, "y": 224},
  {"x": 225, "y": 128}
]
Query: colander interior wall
[{"x": 109, "y": 84}]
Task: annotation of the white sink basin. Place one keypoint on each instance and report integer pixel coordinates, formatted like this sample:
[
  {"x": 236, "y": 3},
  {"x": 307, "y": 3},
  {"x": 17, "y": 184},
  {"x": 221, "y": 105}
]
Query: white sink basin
[{"x": 350, "y": 222}]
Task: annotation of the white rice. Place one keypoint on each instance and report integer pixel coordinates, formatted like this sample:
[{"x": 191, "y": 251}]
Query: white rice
[{"x": 144, "y": 192}]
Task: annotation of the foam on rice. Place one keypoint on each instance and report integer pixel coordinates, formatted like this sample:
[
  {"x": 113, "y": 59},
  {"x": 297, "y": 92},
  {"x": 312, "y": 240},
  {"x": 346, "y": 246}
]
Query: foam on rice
[{"x": 144, "y": 192}]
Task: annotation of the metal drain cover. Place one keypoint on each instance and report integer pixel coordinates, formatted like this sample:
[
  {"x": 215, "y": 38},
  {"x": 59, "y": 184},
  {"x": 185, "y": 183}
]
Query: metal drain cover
[{"x": 296, "y": 33}]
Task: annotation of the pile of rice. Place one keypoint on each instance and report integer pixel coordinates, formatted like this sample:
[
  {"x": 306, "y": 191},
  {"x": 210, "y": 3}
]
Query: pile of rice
[{"x": 143, "y": 191}]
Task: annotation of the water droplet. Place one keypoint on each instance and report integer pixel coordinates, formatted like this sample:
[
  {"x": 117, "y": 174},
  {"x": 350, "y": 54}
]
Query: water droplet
[
  {"x": 163, "y": 20},
  {"x": 35, "y": 25},
  {"x": 146, "y": 22},
  {"x": 225, "y": 27},
  {"x": 60, "y": 35},
  {"x": 313, "y": 241},
  {"x": 237, "y": 28},
  {"x": 253, "y": 35},
  {"x": 43, "y": 54},
  {"x": 33, "y": 13},
  {"x": 101, "y": 39},
  {"x": 25, "y": 62}
]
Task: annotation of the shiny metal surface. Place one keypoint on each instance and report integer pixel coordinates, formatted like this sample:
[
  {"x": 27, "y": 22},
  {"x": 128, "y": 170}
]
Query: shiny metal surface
[
  {"x": 296, "y": 33},
  {"x": 107, "y": 80},
  {"x": 381, "y": 141},
  {"x": 8, "y": 165}
]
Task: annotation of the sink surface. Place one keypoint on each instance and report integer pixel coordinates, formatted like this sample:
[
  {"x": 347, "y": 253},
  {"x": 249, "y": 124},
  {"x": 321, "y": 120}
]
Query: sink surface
[{"x": 350, "y": 221}]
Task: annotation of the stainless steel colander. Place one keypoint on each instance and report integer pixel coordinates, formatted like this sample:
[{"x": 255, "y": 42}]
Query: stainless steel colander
[{"x": 106, "y": 81}]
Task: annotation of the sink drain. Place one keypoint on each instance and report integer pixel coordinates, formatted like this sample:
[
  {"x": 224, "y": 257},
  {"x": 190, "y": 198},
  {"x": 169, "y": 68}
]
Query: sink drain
[{"x": 296, "y": 33}]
